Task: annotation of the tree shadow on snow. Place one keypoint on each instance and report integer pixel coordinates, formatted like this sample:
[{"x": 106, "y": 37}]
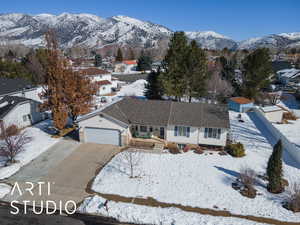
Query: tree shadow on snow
[{"x": 271, "y": 139}]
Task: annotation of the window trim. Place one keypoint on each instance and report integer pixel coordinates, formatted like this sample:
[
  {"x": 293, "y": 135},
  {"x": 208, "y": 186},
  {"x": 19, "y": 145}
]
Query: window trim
[
  {"x": 182, "y": 131},
  {"x": 212, "y": 133},
  {"x": 143, "y": 131}
]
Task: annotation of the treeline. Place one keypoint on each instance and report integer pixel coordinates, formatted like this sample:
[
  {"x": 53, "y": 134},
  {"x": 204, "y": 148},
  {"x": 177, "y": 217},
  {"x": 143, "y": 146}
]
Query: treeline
[
  {"x": 188, "y": 73},
  {"x": 31, "y": 67}
]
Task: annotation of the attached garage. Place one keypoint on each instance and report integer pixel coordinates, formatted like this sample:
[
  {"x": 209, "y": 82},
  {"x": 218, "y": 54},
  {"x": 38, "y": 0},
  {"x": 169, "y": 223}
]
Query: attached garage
[{"x": 102, "y": 136}]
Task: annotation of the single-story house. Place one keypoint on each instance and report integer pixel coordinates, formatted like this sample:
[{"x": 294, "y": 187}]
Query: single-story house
[
  {"x": 126, "y": 66},
  {"x": 20, "y": 111},
  {"x": 19, "y": 87},
  {"x": 273, "y": 113},
  {"x": 179, "y": 122},
  {"x": 240, "y": 104}
]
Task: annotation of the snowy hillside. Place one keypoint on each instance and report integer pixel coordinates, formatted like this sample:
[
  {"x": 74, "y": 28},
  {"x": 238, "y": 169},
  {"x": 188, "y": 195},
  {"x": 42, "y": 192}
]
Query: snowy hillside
[
  {"x": 79, "y": 29},
  {"x": 93, "y": 31},
  {"x": 272, "y": 41},
  {"x": 212, "y": 40}
]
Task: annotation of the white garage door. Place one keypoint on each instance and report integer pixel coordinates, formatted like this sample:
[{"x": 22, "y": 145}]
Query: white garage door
[{"x": 102, "y": 136}]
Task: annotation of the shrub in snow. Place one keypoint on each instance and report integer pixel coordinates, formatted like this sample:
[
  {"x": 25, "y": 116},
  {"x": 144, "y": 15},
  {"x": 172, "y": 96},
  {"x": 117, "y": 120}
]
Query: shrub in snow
[
  {"x": 274, "y": 170},
  {"x": 173, "y": 148},
  {"x": 293, "y": 198},
  {"x": 236, "y": 150},
  {"x": 289, "y": 116},
  {"x": 12, "y": 142},
  {"x": 248, "y": 178}
]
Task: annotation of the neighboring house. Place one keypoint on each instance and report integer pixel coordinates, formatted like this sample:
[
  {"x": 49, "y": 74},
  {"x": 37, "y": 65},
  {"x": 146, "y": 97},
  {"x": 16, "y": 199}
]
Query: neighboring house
[
  {"x": 105, "y": 87},
  {"x": 179, "y": 122},
  {"x": 20, "y": 111},
  {"x": 126, "y": 66},
  {"x": 19, "y": 87},
  {"x": 240, "y": 104},
  {"x": 273, "y": 113},
  {"x": 288, "y": 75},
  {"x": 102, "y": 77}
]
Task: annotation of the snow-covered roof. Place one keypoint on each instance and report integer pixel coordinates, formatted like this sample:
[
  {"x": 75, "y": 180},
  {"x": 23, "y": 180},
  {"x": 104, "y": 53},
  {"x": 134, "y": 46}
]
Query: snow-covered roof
[
  {"x": 289, "y": 73},
  {"x": 272, "y": 108}
]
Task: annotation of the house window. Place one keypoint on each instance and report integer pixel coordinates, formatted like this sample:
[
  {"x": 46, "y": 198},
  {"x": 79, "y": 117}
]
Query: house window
[
  {"x": 26, "y": 118},
  {"x": 212, "y": 133},
  {"x": 151, "y": 129},
  {"x": 143, "y": 128},
  {"x": 182, "y": 131}
]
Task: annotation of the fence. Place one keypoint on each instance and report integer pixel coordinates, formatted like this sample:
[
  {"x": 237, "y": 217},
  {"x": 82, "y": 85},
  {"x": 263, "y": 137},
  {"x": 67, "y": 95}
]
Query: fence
[{"x": 287, "y": 145}]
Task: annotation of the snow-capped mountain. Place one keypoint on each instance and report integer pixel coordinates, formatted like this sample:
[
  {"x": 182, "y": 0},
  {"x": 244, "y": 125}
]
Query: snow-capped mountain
[
  {"x": 284, "y": 40},
  {"x": 79, "y": 29},
  {"x": 94, "y": 32},
  {"x": 212, "y": 40}
]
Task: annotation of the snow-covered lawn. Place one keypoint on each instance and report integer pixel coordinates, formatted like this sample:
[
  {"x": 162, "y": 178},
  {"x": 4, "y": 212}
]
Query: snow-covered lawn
[
  {"x": 41, "y": 141},
  {"x": 4, "y": 189},
  {"x": 202, "y": 180},
  {"x": 291, "y": 131},
  {"x": 136, "y": 88},
  {"x": 126, "y": 212}
]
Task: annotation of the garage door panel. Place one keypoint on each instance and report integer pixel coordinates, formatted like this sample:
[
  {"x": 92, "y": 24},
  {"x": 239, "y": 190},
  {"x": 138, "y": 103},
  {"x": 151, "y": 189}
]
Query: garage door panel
[{"x": 102, "y": 136}]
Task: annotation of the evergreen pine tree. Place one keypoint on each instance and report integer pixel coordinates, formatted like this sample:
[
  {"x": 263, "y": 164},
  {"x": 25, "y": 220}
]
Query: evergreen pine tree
[
  {"x": 274, "y": 169},
  {"x": 119, "y": 56},
  {"x": 258, "y": 68},
  {"x": 196, "y": 71},
  {"x": 174, "y": 66},
  {"x": 153, "y": 86},
  {"x": 98, "y": 60},
  {"x": 144, "y": 62}
]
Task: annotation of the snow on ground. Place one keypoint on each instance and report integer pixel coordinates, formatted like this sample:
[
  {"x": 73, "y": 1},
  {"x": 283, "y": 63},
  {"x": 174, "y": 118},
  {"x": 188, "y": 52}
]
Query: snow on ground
[
  {"x": 290, "y": 130},
  {"x": 136, "y": 88},
  {"x": 202, "y": 180},
  {"x": 4, "y": 189},
  {"x": 127, "y": 212},
  {"x": 41, "y": 141}
]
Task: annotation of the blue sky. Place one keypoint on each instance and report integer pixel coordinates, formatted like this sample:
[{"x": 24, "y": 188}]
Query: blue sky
[{"x": 238, "y": 19}]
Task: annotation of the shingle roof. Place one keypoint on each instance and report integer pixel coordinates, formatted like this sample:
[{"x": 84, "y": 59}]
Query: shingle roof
[
  {"x": 93, "y": 71},
  {"x": 103, "y": 82},
  {"x": 241, "y": 100},
  {"x": 7, "y": 103},
  {"x": 8, "y": 85},
  {"x": 163, "y": 113}
]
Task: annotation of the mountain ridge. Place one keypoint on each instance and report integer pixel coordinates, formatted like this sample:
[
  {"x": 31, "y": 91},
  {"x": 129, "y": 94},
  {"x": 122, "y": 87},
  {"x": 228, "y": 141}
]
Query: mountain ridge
[{"x": 92, "y": 31}]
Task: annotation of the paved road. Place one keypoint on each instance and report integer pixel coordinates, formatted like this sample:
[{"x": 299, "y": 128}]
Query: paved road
[
  {"x": 6, "y": 218},
  {"x": 69, "y": 177}
]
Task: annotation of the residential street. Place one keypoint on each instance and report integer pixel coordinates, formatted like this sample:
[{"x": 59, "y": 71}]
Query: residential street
[{"x": 32, "y": 219}]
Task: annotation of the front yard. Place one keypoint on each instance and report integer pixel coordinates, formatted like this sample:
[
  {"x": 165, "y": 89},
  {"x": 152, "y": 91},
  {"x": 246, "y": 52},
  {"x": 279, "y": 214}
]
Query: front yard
[
  {"x": 41, "y": 141},
  {"x": 201, "y": 180}
]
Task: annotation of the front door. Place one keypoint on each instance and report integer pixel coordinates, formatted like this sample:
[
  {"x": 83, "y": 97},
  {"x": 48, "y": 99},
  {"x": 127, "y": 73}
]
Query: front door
[{"x": 162, "y": 133}]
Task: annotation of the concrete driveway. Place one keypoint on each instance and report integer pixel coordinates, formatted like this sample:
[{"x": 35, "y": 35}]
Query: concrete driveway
[{"x": 71, "y": 176}]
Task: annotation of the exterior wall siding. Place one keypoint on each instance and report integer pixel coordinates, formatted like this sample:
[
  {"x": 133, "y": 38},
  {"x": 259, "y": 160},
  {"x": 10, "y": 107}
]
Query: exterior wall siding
[
  {"x": 196, "y": 137},
  {"x": 15, "y": 116},
  {"x": 239, "y": 107}
]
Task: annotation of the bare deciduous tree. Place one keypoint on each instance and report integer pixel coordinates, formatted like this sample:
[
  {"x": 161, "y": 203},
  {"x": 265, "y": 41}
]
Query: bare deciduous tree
[
  {"x": 131, "y": 158},
  {"x": 293, "y": 197},
  {"x": 12, "y": 141},
  {"x": 247, "y": 177}
]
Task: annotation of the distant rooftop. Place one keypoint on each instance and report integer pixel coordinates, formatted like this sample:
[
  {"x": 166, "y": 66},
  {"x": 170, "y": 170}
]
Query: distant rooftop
[
  {"x": 241, "y": 100},
  {"x": 8, "y": 85}
]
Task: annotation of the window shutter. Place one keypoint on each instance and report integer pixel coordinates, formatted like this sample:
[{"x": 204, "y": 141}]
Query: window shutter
[
  {"x": 188, "y": 131},
  {"x": 176, "y": 131}
]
